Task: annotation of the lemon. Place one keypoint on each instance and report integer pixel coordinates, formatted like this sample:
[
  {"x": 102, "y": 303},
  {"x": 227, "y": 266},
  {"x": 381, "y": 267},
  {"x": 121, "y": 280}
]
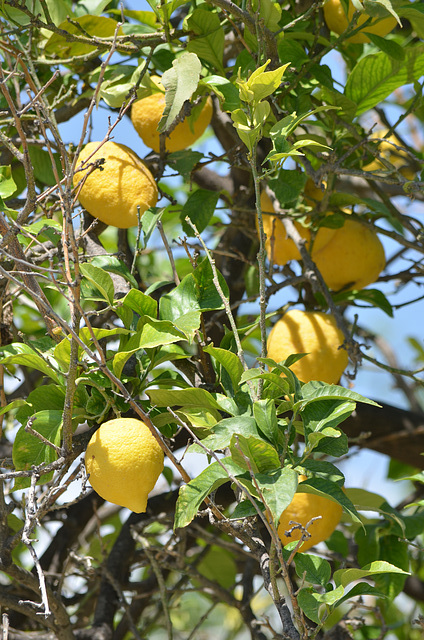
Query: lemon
[
  {"x": 147, "y": 112},
  {"x": 337, "y": 21},
  {"x": 314, "y": 333},
  {"x": 313, "y": 194},
  {"x": 398, "y": 158},
  {"x": 302, "y": 509},
  {"x": 123, "y": 187},
  {"x": 353, "y": 258},
  {"x": 279, "y": 247},
  {"x": 124, "y": 461}
]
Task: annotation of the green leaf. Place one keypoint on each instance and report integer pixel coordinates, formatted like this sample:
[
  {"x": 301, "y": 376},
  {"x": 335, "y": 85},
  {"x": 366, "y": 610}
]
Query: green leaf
[
  {"x": 95, "y": 7},
  {"x": 98, "y": 26},
  {"x": 208, "y": 41},
  {"x": 288, "y": 185},
  {"x": 229, "y": 361},
  {"x": 141, "y": 303},
  {"x": 316, "y": 605},
  {"x": 218, "y": 565},
  {"x": 15, "y": 404},
  {"x": 113, "y": 265},
  {"x": 42, "y": 164},
  {"x": 278, "y": 489},
  {"x": 184, "y": 162},
  {"x": 208, "y": 296},
  {"x": 376, "y": 76},
  {"x": 314, "y": 439},
  {"x": 292, "y": 50},
  {"x": 390, "y": 47},
  {"x": 199, "y": 418},
  {"x": 100, "y": 279},
  {"x": 374, "y": 297},
  {"x": 22, "y": 354},
  {"x": 50, "y": 229},
  {"x": 360, "y": 589},
  {"x": 312, "y": 568},
  {"x": 394, "y": 551},
  {"x": 47, "y": 397},
  {"x": 316, "y": 390},
  {"x": 319, "y": 416},
  {"x": 227, "y": 93},
  {"x": 180, "y": 83},
  {"x": 199, "y": 207},
  {"x": 182, "y": 398},
  {"x": 248, "y": 134},
  {"x": 7, "y": 183},
  {"x": 266, "y": 419},
  {"x": 150, "y": 333},
  {"x": 148, "y": 223},
  {"x": 193, "y": 494},
  {"x": 254, "y": 454},
  {"x": 224, "y": 430},
  {"x": 415, "y": 15},
  {"x": 28, "y": 450},
  {"x": 261, "y": 83},
  {"x": 346, "y": 576},
  {"x": 365, "y": 500},
  {"x": 330, "y": 490}
]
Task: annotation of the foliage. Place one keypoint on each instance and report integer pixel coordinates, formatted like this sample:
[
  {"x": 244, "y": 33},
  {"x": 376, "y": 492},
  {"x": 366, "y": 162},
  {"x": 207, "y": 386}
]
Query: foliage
[{"x": 151, "y": 322}]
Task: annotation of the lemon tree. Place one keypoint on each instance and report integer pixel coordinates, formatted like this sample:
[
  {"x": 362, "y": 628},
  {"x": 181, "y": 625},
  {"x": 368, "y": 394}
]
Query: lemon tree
[{"x": 211, "y": 291}]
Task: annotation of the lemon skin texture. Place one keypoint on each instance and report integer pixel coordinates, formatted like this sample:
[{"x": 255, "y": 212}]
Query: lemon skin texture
[
  {"x": 124, "y": 461},
  {"x": 353, "y": 259},
  {"x": 302, "y": 509},
  {"x": 314, "y": 333},
  {"x": 124, "y": 186},
  {"x": 279, "y": 248},
  {"x": 337, "y": 22},
  {"x": 398, "y": 158},
  {"x": 146, "y": 114}
]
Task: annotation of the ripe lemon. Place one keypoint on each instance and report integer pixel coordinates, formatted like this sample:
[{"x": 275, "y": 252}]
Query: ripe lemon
[
  {"x": 147, "y": 112},
  {"x": 312, "y": 193},
  {"x": 314, "y": 333},
  {"x": 337, "y": 21},
  {"x": 398, "y": 158},
  {"x": 302, "y": 509},
  {"x": 353, "y": 258},
  {"x": 279, "y": 248},
  {"x": 116, "y": 193},
  {"x": 124, "y": 462}
]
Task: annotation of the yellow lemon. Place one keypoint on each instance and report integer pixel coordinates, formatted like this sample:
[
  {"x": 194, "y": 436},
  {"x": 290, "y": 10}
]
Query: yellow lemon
[
  {"x": 313, "y": 194},
  {"x": 301, "y": 510},
  {"x": 147, "y": 112},
  {"x": 312, "y": 332},
  {"x": 337, "y": 21},
  {"x": 124, "y": 461},
  {"x": 279, "y": 248},
  {"x": 123, "y": 186},
  {"x": 398, "y": 158},
  {"x": 353, "y": 258}
]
